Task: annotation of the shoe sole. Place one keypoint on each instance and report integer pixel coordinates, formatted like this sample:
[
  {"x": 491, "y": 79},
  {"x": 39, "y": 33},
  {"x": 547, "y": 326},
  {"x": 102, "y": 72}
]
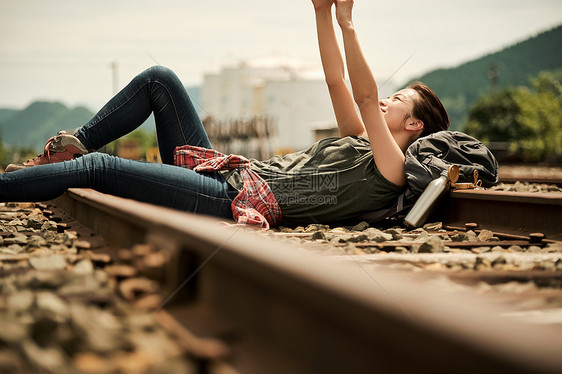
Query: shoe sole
[{"x": 16, "y": 167}]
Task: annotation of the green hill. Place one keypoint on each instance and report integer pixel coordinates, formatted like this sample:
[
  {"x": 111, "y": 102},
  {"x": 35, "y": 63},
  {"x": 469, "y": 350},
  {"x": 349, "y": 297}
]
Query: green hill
[
  {"x": 6, "y": 114},
  {"x": 459, "y": 87},
  {"x": 32, "y": 126}
]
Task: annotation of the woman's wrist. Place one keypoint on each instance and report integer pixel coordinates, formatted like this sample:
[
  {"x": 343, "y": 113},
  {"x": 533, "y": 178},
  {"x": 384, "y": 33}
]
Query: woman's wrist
[
  {"x": 323, "y": 10},
  {"x": 347, "y": 26}
]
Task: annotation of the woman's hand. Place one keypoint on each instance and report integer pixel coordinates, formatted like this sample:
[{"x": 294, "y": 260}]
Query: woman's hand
[
  {"x": 343, "y": 12},
  {"x": 322, "y": 4}
]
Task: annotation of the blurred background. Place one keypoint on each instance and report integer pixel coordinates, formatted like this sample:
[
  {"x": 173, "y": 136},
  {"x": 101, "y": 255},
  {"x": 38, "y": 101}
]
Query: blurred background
[{"x": 253, "y": 70}]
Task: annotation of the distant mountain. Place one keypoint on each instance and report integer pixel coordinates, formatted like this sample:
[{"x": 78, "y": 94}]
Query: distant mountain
[
  {"x": 6, "y": 114},
  {"x": 33, "y": 125},
  {"x": 459, "y": 87}
]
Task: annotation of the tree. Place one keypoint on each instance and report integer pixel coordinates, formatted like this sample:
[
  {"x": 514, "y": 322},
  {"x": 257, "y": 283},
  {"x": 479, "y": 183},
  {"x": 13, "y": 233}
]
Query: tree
[{"x": 530, "y": 120}]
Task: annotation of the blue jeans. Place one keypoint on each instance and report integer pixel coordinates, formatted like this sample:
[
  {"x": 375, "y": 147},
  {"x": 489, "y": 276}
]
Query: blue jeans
[{"x": 156, "y": 90}]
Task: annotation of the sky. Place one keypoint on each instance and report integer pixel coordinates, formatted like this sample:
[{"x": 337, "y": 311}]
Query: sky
[{"x": 63, "y": 49}]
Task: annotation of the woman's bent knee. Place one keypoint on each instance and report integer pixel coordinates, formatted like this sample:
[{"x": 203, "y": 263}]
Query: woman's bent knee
[{"x": 161, "y": 73}]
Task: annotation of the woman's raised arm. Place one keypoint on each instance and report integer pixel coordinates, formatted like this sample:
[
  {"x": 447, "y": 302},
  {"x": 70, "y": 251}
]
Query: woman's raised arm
[
  {"x": 388, "y": 156},
  {"x": 347, "y": 118}
]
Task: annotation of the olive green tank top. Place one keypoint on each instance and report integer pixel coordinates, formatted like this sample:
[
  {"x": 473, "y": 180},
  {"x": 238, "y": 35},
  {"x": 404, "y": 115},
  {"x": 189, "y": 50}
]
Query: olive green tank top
[{"x": 334, "y": 180}]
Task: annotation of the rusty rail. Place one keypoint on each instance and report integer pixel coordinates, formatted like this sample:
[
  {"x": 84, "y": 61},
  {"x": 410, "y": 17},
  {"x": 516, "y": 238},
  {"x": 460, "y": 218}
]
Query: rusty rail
[
  {"x": 279, "y": 310},
  {"x": 510, "y": 212}
]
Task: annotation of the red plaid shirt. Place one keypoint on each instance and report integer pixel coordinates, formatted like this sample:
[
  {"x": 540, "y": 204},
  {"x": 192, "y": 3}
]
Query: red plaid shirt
[{"x": 255, "y": 204}]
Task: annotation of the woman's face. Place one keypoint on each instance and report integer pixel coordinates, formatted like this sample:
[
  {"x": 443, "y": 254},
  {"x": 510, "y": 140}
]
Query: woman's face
[{"x": 397, "y": 108}]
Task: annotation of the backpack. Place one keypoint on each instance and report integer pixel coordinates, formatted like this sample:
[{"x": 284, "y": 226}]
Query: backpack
[{"x": 428, "y": 157}]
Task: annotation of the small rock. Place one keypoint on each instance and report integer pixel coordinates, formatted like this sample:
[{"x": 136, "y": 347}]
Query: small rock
[
  {"x": 434, "y": 226},
  {"x": 471, "y": 236},
  {"x": 376, "y": 235},
  {"x": 554, "y": 247},
  {"x": 527, "y": 265},
  {"x": 12, "y": 332},
  {"x": 423, "y": 235},
  {"x": 360, "y": 226},
  {"x": 548, "y": 266},
  {"x": 485, "y": 235},
  {"x": 396, "y": 234},
  {"x": 482, "y": 263},
  {"x": 515, "y": 248},
  {"x": 11, "y": 362},
  {"x": 100, "y": 258},
  {"x": 499, "y": 262},
  {"x": 35, "y": 212},
  {"x": 17, "y": 222},
  {"x": 148, "y": 302},
  {"x": 158, "y": 259},
  {"x": 141, "y": 249},
  {"x": 318, "y": 235},
  {"x": 42, "y": 279},
  {"x": 125, "y": 255},
  {"x": 68, "y": 237},
  {"x": 54, "y": 305},
  {"x": 459, "y": 237},
  {"x": 50, "y": 236},
  {"x": 133, "y": 287},
  {"x": 131, "y": 362},
  {"x": 91, "y": 363},
  {"x": 79, "y": 285},
  {"x": 445, "y": 237},
  {"x": 98, "y": 330},
  {"x": 336, "y": 230},
  {"x": 82, "y": 244},
  {"x": 436, "y": 266},
  {"x": 20, "y": 301},
  {"x": 316, "y": 227},
  {"x": 49, "y": 226},
  {"x": 35, "y": 222},
  {"x": 51, "y": 262},
  {"x": 497, "y": 248},
  {"x": 352, "y": 250},
  {"x": 432, "y": 245},
  {"x": 36, "y": 241},
  {"x": 357, "y": 238},
  {"x": 121, "y": 271},
  {"x": 83, "y": 267},
  {"x": 12, "y": 249},
  {"x": 47, "y": 359},
  {"x": 401, "y": 250},
  {"x": 15, "y": 238},
  {"x": 534, "y": 249},
  {"x": 479, "y": 250}
]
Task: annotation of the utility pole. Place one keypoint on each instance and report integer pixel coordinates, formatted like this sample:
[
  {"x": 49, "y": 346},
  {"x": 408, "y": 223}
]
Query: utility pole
[{"x": 115, "y": 75}]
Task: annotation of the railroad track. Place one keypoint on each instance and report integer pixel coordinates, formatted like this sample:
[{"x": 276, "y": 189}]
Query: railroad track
[
  {"x": 237, "y": 300},
  {"x": 531, "y": 174},
  {"x": 259, "y": 305},
  {"x": 511, "y": 212}
]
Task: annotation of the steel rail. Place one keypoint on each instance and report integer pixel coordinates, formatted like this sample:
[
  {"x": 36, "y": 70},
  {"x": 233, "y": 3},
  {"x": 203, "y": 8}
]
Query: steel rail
[
  {"x": 531, "y": 179},
  {"x": 510, "y": 212},
  {"x": 281, "y": 310}
]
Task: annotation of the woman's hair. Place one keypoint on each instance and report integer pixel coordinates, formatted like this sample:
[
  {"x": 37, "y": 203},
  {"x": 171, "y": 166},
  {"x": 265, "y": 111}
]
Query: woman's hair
[{"x": 429, "y": 109}]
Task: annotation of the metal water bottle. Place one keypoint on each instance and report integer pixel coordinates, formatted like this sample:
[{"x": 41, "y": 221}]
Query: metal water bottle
[{"x": 420, "y": 211}]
